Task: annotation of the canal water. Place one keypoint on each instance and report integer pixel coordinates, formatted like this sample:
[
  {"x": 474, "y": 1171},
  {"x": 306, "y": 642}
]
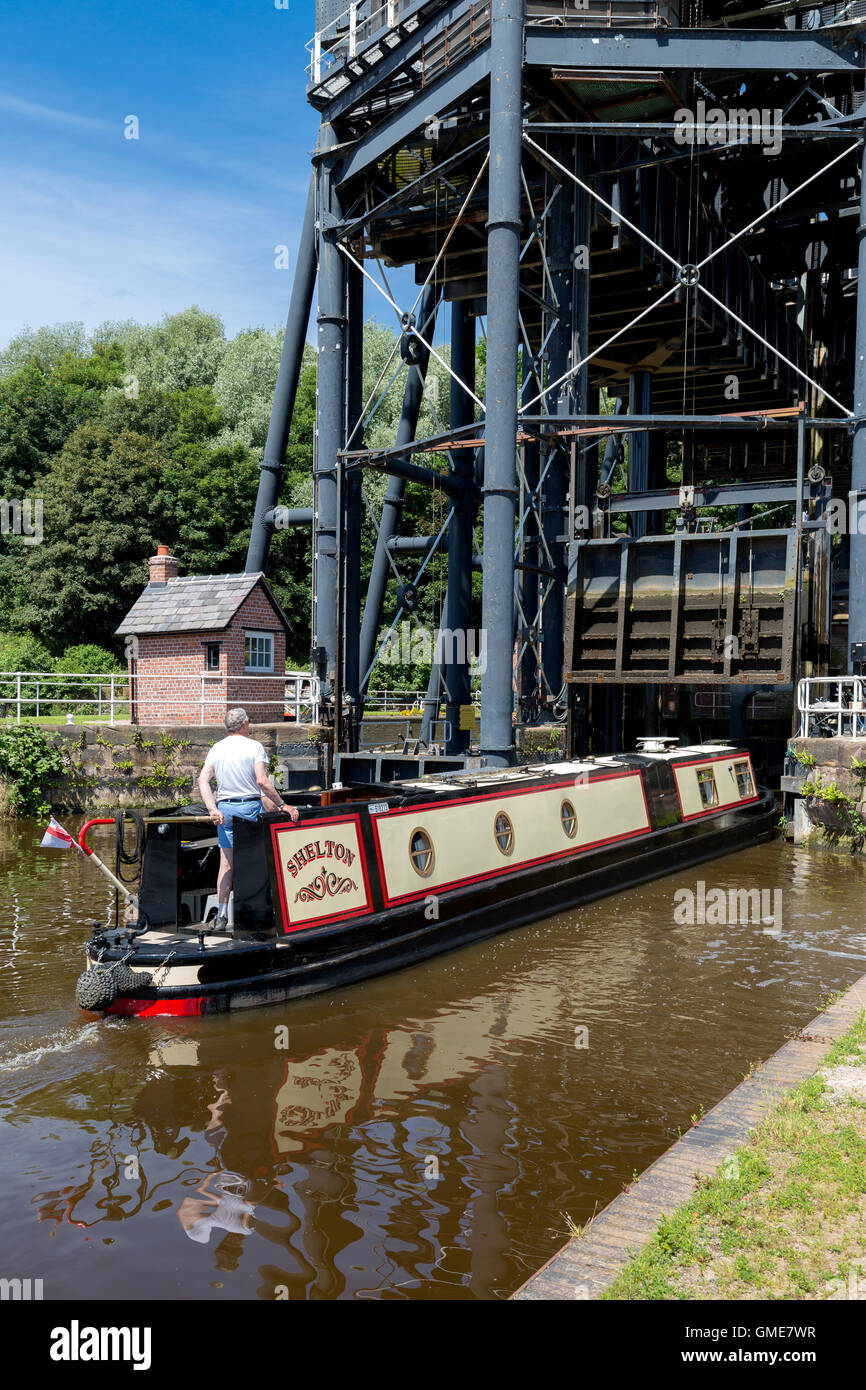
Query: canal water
[{"x": 425, "y": 1135}]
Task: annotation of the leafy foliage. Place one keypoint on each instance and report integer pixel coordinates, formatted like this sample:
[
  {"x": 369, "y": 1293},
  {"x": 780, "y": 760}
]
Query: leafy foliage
[
  {"x": 148, "y": 434},
  {"x": 28, "y": 765},
  {"x": 105, "y": 513}
]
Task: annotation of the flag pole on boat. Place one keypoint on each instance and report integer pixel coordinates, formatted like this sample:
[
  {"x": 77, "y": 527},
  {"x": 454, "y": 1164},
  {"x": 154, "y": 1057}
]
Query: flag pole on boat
[{"x": 56, "y": 837}]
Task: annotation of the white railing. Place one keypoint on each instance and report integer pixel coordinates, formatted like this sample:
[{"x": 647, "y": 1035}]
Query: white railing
[
  {"x": 832, "y": 707},
  {"x": 394, "y": 701},
  {"x": 38, "y": 694},
  {"x": 403, "y": 701},
  {"x": 351, "y": 29},
  {"x": 303, "y": 697},
  {"x": 340, "y": 40},
  {"x": 35, "y": 692}
]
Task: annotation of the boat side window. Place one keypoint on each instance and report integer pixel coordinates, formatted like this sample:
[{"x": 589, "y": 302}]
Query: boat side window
[
  {"x": 745, "y": 783},
  {"x": 421, "y": 852},
  {"x": 503, "y": 832},
  {"x": 707, "y": 787},
  {"x": 568, "y": 817}
]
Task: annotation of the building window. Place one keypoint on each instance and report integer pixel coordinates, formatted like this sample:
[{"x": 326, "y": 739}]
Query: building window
[
  {"x": 568, "y": 816},
  {"x": 745, "y": 784},
  {"x": 707, "y": 787},
  {"x": 421, "y": 853},
  {"x": 503, "y": 832},
  {"x": 258, "y": 651},
  {"x": 212, "y": 656}
]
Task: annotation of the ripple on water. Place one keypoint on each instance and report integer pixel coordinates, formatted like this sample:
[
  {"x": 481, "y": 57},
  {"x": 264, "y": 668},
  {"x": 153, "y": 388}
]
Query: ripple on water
[{"x": 427, "y": 1134}]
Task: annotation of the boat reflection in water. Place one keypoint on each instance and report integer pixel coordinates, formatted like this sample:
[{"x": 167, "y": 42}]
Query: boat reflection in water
[
  {"x": 311, "y": 1151},
  {"x": 422, "y": 1135}
]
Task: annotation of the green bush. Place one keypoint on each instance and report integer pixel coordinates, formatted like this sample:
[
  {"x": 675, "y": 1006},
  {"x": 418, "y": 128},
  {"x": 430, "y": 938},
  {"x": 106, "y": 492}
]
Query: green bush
[
  {"x": 80, "y": 660},
  {"x": 21, "y": 651},
  {"x": 28, "y": 763}
]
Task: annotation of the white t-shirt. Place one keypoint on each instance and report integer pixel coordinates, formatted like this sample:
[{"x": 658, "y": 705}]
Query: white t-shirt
[
  {"x": 234, "y": 760},
  {"x": 227, "y": 1215}
]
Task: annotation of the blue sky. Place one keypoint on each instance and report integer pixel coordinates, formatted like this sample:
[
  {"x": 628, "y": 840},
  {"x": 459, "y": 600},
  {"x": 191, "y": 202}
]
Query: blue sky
[{"x": 94, "y": 226}]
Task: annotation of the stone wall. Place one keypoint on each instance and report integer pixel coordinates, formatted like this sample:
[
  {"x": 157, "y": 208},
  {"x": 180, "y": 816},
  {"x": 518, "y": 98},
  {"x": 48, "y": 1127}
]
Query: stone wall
[
  {"x": 112, "y": 767},
  {"x": 826, "y": 792},
  {"x": 116, "y": 766}
]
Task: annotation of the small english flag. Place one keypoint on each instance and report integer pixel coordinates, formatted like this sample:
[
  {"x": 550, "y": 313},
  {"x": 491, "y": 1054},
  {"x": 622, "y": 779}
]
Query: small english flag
[{"x": 56, "y": 837}]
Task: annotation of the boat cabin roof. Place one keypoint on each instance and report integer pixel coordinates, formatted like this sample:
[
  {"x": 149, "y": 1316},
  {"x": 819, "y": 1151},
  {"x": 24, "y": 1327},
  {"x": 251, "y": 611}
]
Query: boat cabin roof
[{"x": 454, "y": 781}]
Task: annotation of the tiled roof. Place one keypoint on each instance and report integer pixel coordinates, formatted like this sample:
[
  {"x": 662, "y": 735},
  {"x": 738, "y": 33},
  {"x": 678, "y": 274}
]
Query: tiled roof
[{"x": 196, "y": 603}]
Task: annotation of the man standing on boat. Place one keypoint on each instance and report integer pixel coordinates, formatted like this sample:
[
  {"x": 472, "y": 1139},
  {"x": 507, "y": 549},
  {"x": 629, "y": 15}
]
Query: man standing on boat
[{"x": 240, "y": 766}]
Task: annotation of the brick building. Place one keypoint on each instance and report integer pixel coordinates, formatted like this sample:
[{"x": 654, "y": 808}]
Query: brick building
[{"x": 199, "y": 645}]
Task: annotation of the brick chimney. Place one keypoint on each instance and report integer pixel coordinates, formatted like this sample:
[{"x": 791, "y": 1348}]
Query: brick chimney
[{"x": 162, "y": 565}]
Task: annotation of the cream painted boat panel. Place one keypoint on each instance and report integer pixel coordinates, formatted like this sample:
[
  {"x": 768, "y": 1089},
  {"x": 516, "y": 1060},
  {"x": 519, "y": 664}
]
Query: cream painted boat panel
[
  {"x": 321, "y": 871},
  {"x": 462, "y": 834},
  {"x": 724, "y": 777}
]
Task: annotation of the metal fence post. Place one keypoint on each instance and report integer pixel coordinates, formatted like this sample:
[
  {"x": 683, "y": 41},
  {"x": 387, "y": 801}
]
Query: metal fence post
[
  {"x": 111, "y": 700},
  {"x": 18, "y": 697}
]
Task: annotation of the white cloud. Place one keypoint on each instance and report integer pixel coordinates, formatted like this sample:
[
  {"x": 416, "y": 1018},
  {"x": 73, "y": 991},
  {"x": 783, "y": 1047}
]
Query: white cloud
[
  {"x": 73, "y": 247},
  {"x": 19, "y": 106}
]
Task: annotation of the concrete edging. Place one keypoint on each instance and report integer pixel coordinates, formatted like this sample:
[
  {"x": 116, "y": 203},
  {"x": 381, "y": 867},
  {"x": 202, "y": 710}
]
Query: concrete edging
[{"x": 588, "y": 1264}]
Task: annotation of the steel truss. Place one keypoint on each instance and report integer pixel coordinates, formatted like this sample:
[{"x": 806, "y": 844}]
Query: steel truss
[{"x": 474, "y": 173}]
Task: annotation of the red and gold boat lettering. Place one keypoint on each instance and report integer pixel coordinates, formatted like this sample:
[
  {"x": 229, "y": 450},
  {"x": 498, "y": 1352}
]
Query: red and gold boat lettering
[
  {"x": 324, "y": 885},
  {"x": 321, "y": 872}
]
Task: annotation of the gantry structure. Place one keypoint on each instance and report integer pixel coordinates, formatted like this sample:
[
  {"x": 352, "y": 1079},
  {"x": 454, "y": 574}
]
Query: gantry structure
[{"x": 651, "y": 215}]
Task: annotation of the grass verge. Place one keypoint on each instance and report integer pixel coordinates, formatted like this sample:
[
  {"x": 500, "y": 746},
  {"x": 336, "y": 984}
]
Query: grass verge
[{"x": 785, "y": 1216}]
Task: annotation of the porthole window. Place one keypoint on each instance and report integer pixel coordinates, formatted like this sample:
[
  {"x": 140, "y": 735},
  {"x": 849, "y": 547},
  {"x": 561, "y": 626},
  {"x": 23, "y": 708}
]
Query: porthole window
[
  {"x": 745, "y": 784},
  {"x": 568, "y": 816},
  {"x": 421, "y": 852},
  {"x": 707, "y": 787},
  {"x": 503, "y": 832}
]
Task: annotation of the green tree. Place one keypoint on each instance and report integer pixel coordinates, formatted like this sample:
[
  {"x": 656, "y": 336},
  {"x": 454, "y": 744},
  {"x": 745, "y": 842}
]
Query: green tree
[
  {"x": 46, "y": 346},
  {"x": 81, "y": 659},
  {"x": 37, "y": 415},
  {"x": 180, "y": 351},
  {"x": 174, "y": 417},
  {"x": 244, "y": 386},
  {"x": 209, "y": 497},
  {"x": 104, "y": 514},
  {"x": 23, "y": 651}
]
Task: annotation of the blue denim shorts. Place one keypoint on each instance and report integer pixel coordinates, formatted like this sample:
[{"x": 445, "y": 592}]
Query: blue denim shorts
[{"x": 247, "y": 810}]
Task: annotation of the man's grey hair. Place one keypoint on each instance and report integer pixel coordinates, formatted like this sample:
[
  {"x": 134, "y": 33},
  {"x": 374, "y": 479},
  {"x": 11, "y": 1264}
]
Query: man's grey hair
[{"x": 235, "y": 720}]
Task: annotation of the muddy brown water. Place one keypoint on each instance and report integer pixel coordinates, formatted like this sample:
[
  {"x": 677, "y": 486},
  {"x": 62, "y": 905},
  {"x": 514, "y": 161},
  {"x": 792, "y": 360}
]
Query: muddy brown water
[{"x": 424, "y": 1135}]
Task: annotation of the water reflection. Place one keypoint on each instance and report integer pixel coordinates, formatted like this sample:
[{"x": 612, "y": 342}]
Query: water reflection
[{"x": 418, "y": 1136}]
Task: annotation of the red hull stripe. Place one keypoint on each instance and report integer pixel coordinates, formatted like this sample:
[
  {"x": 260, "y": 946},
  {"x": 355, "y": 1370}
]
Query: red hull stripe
[
  {"x": 147, "y": 1008},
  {"x": 571, "y": 852}
]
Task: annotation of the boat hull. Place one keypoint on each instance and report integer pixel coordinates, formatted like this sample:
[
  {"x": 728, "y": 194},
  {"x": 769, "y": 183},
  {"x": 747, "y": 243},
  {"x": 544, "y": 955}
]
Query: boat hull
[{"x": 243, "y": 974}]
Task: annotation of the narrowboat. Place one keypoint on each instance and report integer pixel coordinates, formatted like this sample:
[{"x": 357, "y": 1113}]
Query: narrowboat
[{"x": 375, "y": 877}]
